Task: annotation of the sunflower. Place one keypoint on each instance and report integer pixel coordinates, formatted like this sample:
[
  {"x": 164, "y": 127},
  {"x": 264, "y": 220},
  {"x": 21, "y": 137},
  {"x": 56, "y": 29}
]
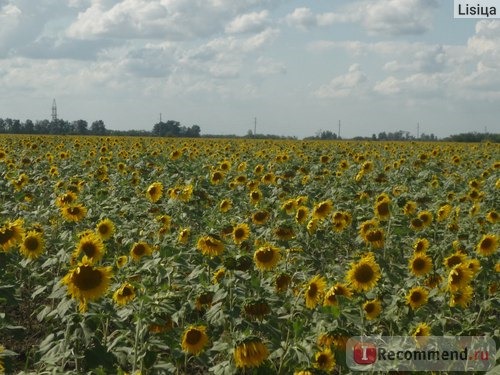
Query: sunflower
[
  {"x": 74, "y": 212},
  {"x": 474, "y": 265},
  {"x": 312, "y": 226},
  {"x": 11, "y": 233},
  {"x": 301, "y": 214},
  {"x": 282, "y": 282},
  {"x": 194, "y": 339},
  {"x": 417, "y": 297},
  {"x": 260, "y": 217},
  {"x": 315, "y": 289},
  {"x": 32, "y": 245},
  {"x": 375, "y": 237},
  {"x": 410, "y": 208},
  {"x": 210, "y": 246},
  {"x": 364, "y": 274},
  {"x": 338, "y": 289},
  {"x": 122, "y": 261},
  {"x": 105, "y": 229},
  {"x": 140, "y": 249},
  {"x": 218, "y": 275},
  {"x": 420, "y": 264},
  {"x": 225, "y": 205},
  {"x": 256, "y": 309},
  {"x": 421, "y": 333},
  {"x": 241, "y": 232},
  {"x": 421, "y": 245},
  {"x": 454, "y": 259},
  {"x": 66, "y": 199},
  {"x": 184, "y": 236},
  {"x": 289, "y": 206},
  {"x": 250, "y": 353},
  {"x": 216, "y": 177},
  {"x": 416, "y": 224},
  {"x": 444, "y": 212},
  {"x": 372, "y": 309},
  {"x": 459, "y": 277},
  {"x": 322, "y": 209},
  {"x": 366, "y": 226},
  {"x": 381, "y": 209},
  {"x": 266, "y": 257},
  {"x": 124, "y": 294},
  {"x": 91, "y": 246},
  {"x": 284, "y": 233},
  {"x": 87, "y": 282},
  {"x": 154, "y": 192},
  {"x": 462, "y": 297},
  {"x": 492, "y": 217},
  {"x": 324, "y": 360},
  {"x": 425, "y": 217},
  {"x": 204, "y": 300},
  {"x": 487, "y": 245},
  {"x": 255, "y": 196}
]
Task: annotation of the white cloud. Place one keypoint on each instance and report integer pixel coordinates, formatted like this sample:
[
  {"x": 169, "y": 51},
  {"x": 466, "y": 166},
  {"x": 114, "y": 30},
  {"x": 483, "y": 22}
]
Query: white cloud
[
  {"x": 250, "y": 22},
  {"x": 396, "y": 17},
  {"x": 343, "y": 85},
  {"x": 267, "y": 66},
  {"x": 304, "y": 18}
]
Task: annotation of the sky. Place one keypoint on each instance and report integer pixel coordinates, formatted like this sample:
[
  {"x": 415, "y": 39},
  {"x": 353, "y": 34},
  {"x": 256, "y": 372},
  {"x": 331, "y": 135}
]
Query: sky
[{"x": 297, "y": 67}]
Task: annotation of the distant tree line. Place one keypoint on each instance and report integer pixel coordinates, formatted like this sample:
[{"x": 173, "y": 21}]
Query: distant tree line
[
  {"x": 474, "y": 137},
  {"x": 81, "y": 127}
]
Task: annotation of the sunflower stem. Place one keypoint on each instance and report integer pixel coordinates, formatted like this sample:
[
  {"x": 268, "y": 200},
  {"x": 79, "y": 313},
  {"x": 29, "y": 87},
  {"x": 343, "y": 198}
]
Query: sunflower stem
[{"x": 137, "y": 334}]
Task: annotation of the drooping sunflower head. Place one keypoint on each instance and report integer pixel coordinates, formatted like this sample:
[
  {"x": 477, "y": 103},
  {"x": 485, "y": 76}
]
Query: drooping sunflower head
[
  {"x": 194, "y": 339},
  {"x": 366, "y": 226},
  {"x": 154, "y": 192},
  {"x": 240, "y": 233},
  {"x": 184, "y": 234},
  {"x": 381, "y": 209},
  {"x": 417, "y": 297},
  {"x": 410, "y": 208},
  {"x": 322, "y": 209},
  {"x": 74, "y": 212},
  {"x": 251, "y": 352},
  {"x": 216, "y": 177},
  {"x": 32, "y": 245},
  {"x": 256, "y": 308},
  {"x": 315, "y": 290},
  {"x": 417, "y": 224},
  {"x": 260, "y": 217},
  {"x": 487, "y": 245},
  {"x": 255, "y": 196},
  {"x": 105, "y": 229},
  {"x": 282, "y": 282},
  {"x": 124, "y": 294},
  {"x": 339, "y": 289},
  {"x": 301, "y": 214},
  {"x": 459, "y": 277},
  {"x": 462, "y": 297},
  {"x": 493, "y": 217},
  {"x": 375, "y": 237},
  {"x": 66, "y": 199},
  {"x": 225, "y": 205},
  {"x": 364, "y": 275},
  {"x": 140, "y": 249},
  {"x": 421, "y": 333},
  {"x": 372, "y": 309},
  {"x": 420, "y": 264},
  {"x": 210, "y": 246},
  {"x": 267, "y": 257},
  {"x": 11, "y": 233},
  {"x": 454, "y": 259},
  {"x": 284, "y": 233},
  {"x": 444, "y": 212},
  {"x": 122, "y": 261}
]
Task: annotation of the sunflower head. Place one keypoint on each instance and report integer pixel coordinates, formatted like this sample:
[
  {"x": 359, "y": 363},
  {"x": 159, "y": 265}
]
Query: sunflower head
[
  {"x": 324, "y": 360},
  {"x": 315, "y": 290},
  {"x": 322, "y": 209},
  {"x": 210, "y": 246},
  {"x": 487, "y": 245},
  {"x": 124, "y": 294},
  {"x": 105, "y": 229},
  {"x": 372, "y": 309},
  {"x": 459, "y": 277},
  {"x": 154, "y": 192},
  {"x": 194, "y": 339},
  {"x": 251, "y": 352},
  {"x": 139, "y": 250},
  {"x": 267, "y": 257},
  {"x": 420, "y": 264},
  {"x": 364, "y": 275},
  {"x": 240, "y": 233},
  {"x": 417, "y": 297},
  {"x": 32, "y": 245},
  {"x": 91, "y": 246}
]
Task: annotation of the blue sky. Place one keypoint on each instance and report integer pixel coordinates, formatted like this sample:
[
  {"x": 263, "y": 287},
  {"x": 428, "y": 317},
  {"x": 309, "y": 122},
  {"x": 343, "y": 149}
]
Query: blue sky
[{"x": 298, "y": 66}]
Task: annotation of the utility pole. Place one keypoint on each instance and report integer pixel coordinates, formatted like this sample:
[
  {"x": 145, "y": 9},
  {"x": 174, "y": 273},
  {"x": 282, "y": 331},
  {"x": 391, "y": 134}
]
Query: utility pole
[
  {"x": 418, "y": 130},
  {"x": 255, "y": 126},
  {"x": 54, "y": 110},
  {"x": 160, "y": 116},
  {"x": 339, "y": 130}
]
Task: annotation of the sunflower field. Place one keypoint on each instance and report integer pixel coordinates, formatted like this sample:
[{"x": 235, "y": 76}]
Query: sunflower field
[{"x": 122, "y": 255}]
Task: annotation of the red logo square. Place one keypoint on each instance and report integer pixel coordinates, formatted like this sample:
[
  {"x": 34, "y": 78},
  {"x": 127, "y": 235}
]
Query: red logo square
[{"x": 364, "y": 353}]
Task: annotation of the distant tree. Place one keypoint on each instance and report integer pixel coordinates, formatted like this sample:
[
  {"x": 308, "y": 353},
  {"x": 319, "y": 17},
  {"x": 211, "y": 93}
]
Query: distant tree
[
  {"x": 80, "y": 127},
  {"x": 2, "y": 125},
  {"x": 98, "y": 128},
  {"x": 29, "y": 127}
]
